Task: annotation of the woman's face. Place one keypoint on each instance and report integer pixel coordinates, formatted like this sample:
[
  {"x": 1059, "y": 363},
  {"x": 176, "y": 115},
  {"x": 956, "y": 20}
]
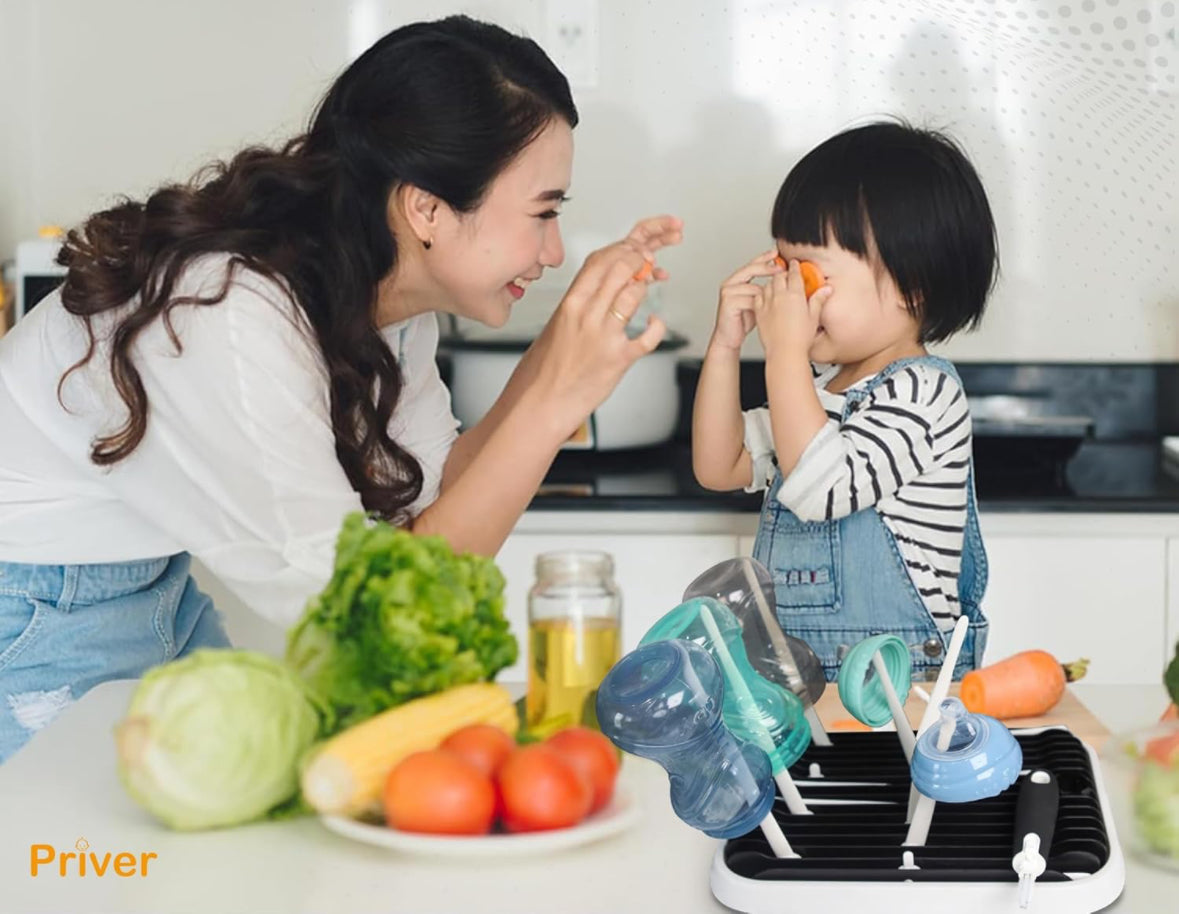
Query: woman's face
[{"x": 483, "y": 261}]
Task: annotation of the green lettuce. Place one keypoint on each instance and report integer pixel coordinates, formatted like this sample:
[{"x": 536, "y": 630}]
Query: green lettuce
[
  {"x": 1171, "y": 677},
  {"x": 402, "y": 617}
]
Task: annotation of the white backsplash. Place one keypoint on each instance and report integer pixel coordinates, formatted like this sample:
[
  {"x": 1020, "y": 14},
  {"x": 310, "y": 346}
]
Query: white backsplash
[{"x": 1070, "y": 110}]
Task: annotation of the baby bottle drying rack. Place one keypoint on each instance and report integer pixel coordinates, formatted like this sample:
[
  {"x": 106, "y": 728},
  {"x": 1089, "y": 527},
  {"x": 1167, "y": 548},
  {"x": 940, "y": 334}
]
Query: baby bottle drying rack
[{"x": 852, "y": 852}]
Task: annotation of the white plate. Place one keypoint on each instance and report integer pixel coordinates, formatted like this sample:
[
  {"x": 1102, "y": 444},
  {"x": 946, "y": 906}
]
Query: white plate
[{"x": 621, "y": 813}]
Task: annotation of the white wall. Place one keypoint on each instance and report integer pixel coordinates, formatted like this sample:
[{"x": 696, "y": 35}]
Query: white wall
[{"x": 1069, "y": 109}]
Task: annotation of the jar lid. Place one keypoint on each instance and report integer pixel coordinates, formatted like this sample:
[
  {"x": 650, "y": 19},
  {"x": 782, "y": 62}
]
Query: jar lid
[{"x": 585, "y": 563}]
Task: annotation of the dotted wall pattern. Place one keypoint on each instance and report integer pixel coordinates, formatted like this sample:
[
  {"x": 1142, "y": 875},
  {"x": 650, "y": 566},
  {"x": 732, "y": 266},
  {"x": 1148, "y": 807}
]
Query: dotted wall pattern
[{"x": 1069, "y": 110}]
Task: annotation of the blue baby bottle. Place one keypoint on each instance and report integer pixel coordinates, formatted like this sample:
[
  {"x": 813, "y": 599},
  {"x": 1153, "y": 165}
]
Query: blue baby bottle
[{"x": 663, "y": 701}]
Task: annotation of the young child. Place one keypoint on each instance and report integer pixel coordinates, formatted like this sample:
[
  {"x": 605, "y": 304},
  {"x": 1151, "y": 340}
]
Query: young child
[{"x": 869, "y": 523}]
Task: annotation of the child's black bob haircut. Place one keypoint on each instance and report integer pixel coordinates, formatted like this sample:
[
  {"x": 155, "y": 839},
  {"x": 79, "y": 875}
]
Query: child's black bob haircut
[{"x": 912, "y": 197}]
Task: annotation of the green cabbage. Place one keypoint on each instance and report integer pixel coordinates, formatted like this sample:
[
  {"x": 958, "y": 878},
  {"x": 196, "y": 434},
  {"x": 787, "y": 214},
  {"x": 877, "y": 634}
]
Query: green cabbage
[
  {"x": 402, "y": 616},
  {"x": 216, "y": 738}
]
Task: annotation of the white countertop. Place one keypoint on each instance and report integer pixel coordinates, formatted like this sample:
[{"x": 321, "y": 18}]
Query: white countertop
[{"x": 63, "y": 787}]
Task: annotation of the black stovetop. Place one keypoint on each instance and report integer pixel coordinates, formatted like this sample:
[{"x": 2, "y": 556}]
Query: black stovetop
[{"x": 1102, "y": 476}]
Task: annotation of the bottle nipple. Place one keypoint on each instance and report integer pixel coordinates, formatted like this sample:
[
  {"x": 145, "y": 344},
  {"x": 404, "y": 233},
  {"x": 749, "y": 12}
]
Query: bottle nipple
[{"x": 957, "y": 729}]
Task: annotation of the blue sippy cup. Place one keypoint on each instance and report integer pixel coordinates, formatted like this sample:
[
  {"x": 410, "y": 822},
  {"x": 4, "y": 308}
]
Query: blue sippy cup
[{"x": 663, "y": 701}]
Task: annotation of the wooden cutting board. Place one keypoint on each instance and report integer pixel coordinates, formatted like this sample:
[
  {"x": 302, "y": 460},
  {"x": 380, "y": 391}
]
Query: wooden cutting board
[{"x": 1069, "y": 711}]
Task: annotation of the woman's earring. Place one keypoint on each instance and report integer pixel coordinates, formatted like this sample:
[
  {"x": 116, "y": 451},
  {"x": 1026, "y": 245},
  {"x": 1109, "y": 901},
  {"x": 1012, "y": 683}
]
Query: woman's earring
[{"x": 427, "y": 244}]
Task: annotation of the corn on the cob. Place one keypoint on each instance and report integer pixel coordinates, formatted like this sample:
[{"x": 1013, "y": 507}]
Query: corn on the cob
[{"x": 346, "y": 775}]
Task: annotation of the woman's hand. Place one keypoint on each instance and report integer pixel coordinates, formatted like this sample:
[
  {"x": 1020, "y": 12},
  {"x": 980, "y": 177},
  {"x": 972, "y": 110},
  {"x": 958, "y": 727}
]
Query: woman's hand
[
  {"x": 787, "y": 321},
  {"x": 735, "y": 313},
  {"x": 584, "y": 349},
  {"x": 654, "y": 233}
]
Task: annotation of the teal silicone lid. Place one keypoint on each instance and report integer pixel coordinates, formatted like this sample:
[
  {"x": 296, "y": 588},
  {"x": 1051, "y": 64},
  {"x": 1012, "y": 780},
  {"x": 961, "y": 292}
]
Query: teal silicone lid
[{"x": 861, "y": 690}]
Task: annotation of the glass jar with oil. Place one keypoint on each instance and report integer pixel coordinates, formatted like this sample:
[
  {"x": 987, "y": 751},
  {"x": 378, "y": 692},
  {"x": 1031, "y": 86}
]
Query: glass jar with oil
[{"x": 574, "y": 611}]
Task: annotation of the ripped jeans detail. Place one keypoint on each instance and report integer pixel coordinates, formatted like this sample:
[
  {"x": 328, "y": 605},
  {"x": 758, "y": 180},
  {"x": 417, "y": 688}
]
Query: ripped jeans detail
[{"x": 66, "y": 628}]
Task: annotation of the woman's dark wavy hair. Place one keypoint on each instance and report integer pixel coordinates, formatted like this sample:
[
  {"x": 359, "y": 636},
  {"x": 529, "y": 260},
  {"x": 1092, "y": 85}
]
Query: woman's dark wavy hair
[
  {"x": 444, "y": 106},
  {"x": 913, "y": 195}
]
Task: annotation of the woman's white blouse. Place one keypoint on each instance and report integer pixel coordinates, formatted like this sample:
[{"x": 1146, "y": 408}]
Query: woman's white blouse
[{"x": 238, "y": 465}]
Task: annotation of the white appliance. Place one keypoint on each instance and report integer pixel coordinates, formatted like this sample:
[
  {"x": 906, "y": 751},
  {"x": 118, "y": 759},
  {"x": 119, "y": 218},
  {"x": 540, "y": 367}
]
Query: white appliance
[
  {"x": 36, "y": 272},
  {"x": 640, "y": 412}
]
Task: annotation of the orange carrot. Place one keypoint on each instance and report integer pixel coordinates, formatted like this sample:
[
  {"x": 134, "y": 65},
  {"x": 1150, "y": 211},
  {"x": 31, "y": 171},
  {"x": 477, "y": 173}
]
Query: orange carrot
[
  {"x": 644, "y": 271},
  {"x": 812, "y": 277},
  {"x": 1164, "y": 749},
  {"x": 847, "y": 723},
  {"x": 1023, "y": 685}
]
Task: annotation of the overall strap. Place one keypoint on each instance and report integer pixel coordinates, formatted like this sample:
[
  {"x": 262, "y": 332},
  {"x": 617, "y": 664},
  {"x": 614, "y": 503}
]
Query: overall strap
[
  {"x": 856, "y": 395},
  {"x": 972, "y": 578}
]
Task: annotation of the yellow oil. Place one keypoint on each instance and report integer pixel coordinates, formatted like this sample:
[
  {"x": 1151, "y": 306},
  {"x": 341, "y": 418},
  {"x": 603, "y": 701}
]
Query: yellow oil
[{"x": 567, "y": 661}]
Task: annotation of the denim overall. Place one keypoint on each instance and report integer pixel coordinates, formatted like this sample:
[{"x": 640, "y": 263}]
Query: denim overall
[{"x": 840, "y": 581}]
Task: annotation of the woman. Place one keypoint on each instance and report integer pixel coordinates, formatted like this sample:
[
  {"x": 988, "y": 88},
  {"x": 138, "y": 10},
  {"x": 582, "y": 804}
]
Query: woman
[{"x": 234, "y": 365}]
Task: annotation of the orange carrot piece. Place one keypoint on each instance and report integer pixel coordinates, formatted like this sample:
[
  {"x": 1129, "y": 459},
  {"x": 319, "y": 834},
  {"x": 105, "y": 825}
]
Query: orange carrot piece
[
  {"x": 645, "y": 271},
  {"x": 847, "y": 724},
  {"x": 812, "y": 278},
  {"x": 1023, "y": 685}
]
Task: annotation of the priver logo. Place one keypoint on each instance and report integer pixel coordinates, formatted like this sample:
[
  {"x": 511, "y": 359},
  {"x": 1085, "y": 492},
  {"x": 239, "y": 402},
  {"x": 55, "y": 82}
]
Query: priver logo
[{"x": 84, "y": 862}]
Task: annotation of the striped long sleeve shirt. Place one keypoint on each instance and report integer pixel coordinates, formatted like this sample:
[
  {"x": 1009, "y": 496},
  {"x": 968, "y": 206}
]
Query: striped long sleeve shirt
[{"x": 904, "y": 451}]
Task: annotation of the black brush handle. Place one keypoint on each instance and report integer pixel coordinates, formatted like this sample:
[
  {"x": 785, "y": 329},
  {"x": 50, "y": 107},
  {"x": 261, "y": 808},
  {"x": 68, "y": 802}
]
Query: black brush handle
[{"x": 1035, "y": 810}]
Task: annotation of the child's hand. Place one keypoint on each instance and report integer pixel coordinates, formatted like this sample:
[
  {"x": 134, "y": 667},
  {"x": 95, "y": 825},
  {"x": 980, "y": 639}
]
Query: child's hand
[
  {"x": 786, "y": 321},
  {"x": 738, "y": 296}
]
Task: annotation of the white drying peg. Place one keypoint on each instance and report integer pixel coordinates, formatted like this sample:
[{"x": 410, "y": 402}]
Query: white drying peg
[
  {"x": 941, "y": 688},
  {"x": 1029, "y": 865},
  {"x": 794, "y": 801}
]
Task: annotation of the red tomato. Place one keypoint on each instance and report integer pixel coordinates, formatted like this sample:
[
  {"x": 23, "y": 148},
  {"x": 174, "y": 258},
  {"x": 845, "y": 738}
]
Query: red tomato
[
  {"x": 541, "y": 790},
  {"x": 483, "y": 745},
  {"x": 440, "y": 793},
  {"x": 593, "y": 755}
]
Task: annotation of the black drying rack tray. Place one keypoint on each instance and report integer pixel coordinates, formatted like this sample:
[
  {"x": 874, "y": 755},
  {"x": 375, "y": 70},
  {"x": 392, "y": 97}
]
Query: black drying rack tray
[{"x": 968, "y": 842}]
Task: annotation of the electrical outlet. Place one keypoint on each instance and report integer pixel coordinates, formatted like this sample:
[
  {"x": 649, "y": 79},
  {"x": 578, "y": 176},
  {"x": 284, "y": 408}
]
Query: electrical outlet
[{"x": 572, "y": 40}]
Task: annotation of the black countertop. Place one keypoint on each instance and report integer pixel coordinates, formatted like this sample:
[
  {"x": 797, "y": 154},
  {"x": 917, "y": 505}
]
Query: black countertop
[
  {"x": 1119, "y": 467},
  {"x": 1103, "y": 476}
]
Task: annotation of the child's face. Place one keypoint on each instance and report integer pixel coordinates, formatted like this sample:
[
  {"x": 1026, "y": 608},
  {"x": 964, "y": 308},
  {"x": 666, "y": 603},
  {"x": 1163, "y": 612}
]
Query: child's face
[{"x": 864, "y": 316}]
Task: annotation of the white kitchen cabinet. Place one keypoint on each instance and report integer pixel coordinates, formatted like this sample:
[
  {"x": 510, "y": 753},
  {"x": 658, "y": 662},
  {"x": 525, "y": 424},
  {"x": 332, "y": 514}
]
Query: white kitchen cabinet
[
  {"x": 1080, "y": 596},
  {"x": 652, "y": 570},
  {"x": 1102, "y": 586}
]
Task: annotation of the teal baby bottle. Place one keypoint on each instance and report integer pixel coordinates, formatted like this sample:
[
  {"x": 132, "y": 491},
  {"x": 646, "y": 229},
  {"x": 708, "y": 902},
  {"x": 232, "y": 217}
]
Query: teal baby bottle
[
  {"x": 754, "y": 708},
  {"x": 663, "y": 701}
]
